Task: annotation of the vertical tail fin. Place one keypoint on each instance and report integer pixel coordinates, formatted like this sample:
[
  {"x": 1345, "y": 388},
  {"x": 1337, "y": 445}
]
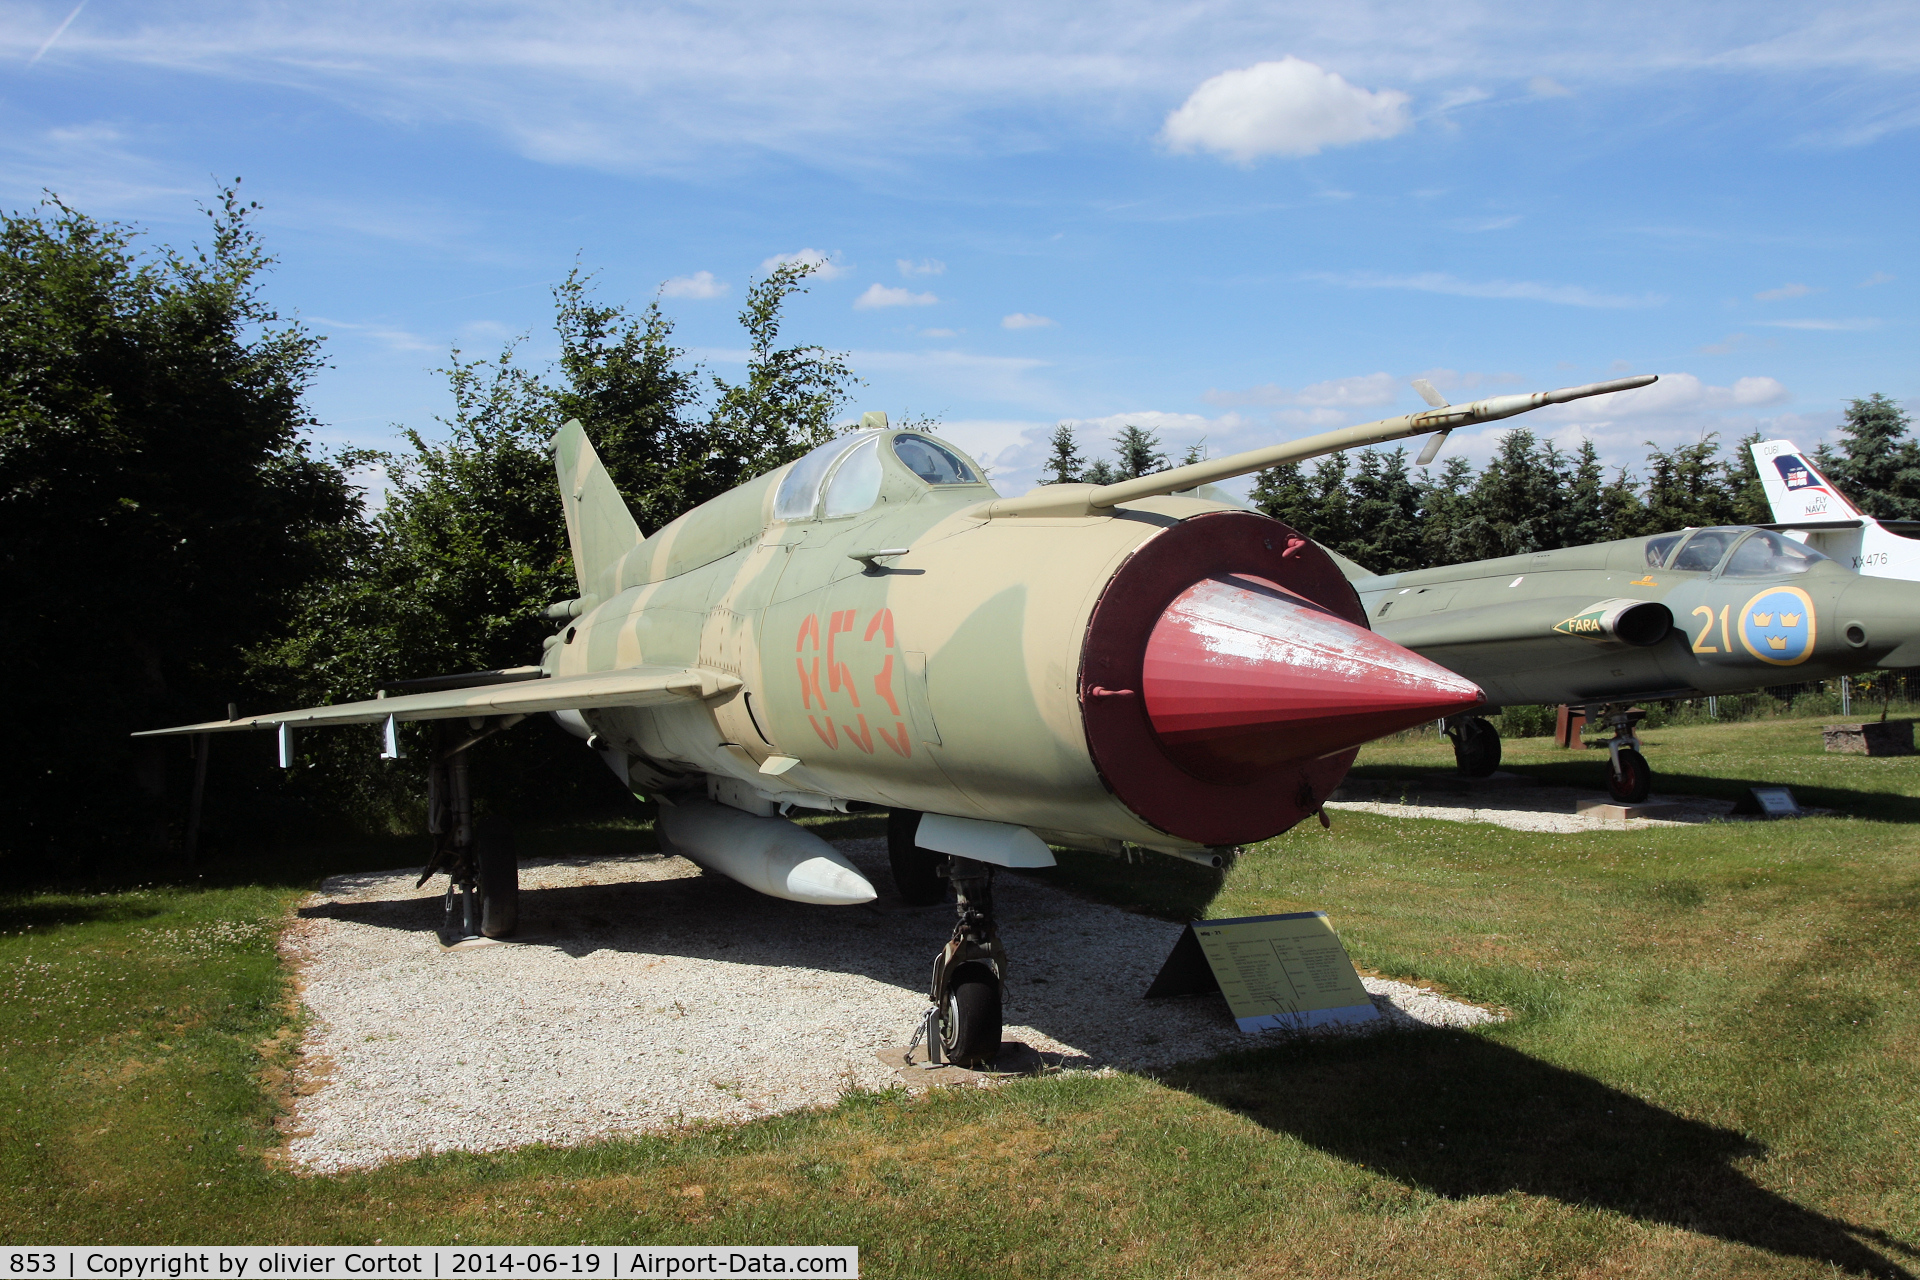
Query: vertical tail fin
[
  {"x": 1795, "y": 488},
  {"x": 600, "y": 529}
]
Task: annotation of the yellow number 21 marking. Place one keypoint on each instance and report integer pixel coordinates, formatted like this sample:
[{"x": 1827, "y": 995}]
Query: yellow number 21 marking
[{"x": 1698, "y": 644}]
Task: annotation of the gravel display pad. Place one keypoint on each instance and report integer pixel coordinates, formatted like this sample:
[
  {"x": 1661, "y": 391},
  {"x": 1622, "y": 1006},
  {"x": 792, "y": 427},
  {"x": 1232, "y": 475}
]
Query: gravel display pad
[{"x": 646, "y": 993}]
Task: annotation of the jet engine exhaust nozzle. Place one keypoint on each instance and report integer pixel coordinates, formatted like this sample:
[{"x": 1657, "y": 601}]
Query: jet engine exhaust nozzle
[{"x": 1242, "y": 676}]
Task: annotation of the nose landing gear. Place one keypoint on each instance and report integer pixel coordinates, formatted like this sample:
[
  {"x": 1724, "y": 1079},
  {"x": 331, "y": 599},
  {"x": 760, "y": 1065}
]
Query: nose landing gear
[
  {"x": 1476, "y": 745},
  {"x": 1630, "y": 778},
  {"x": 969, "y": 971}
]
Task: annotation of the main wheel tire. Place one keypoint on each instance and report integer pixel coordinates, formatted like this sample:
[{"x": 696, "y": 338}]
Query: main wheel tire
[
  {"x": 918, "y": 874},
  {"x": 970, "y": 1022},
  {"x": 1476, "y": 748},
  {"x": 1634, "y": 781},
  {"x": 499, "y": 878}
]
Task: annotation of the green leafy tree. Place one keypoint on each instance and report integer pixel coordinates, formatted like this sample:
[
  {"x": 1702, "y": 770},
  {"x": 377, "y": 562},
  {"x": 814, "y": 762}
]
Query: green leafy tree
[
  {"x": 161, "y": 508},
  {"x": 1064, "y": 464},
  {"x": 471, "y": 545},
  {"x": 1878, "y": 464}
]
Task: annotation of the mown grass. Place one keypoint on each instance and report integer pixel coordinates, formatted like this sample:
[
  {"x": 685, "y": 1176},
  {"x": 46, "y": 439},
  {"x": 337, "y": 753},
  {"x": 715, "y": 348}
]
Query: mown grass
[{"x": 1709, "y": 1071}]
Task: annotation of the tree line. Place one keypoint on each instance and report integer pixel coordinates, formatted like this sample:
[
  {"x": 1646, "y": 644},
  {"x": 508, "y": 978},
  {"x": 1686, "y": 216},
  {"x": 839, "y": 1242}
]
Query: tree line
[
  {"x": 172, "y": 541},
  {"x": 1532, "y": 495}
]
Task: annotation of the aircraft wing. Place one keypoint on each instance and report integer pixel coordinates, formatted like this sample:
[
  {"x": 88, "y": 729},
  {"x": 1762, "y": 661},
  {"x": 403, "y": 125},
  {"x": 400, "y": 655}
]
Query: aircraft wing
[{"x": 627, "y": 687}]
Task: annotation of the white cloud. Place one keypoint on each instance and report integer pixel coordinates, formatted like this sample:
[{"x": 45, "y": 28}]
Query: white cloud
[
  {"x": 1566, "y": 295},
  {"x": 924, "y": 267},
  {"x": 1784, "y": 291},
  {"x": 700, "y": 284},
  {"x": 693, "y": 89},
  {"x": 391, "y": 338},
  {"x": 939, "y": 333},
  {"x": 1009, "y": 379},
  {"x": 1548, "y": 87},
  {"x": 825, "y": 268},
  {"x": 1878, "y": 277},
  {"x": 1364, "y": 391},
  {"x": 880, "y": 295},
  {"x": 1841, "y": 326},
  {"x": 1725, "y": 346},
  {"x": 1022, "y": 320},
  {"x": 1284, "y": 108},
  {"x": 1675, "y": 392},
  {"x": 1487, "y": 224}
]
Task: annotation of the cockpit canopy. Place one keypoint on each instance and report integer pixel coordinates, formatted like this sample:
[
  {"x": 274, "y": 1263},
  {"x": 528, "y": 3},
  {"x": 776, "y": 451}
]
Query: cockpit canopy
[
  {"x": 1736, "y": 551},
  {"x": 843, "y": 477}
]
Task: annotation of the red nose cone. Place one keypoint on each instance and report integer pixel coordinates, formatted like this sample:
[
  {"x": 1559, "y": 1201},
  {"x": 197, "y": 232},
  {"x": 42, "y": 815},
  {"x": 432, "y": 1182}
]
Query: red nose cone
[{"x": 1242, "y": 675}]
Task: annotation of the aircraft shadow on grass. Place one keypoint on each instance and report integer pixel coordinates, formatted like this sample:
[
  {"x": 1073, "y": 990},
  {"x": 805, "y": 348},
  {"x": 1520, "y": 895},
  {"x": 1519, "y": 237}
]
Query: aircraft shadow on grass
[{"x": 1460, "y": 1115}]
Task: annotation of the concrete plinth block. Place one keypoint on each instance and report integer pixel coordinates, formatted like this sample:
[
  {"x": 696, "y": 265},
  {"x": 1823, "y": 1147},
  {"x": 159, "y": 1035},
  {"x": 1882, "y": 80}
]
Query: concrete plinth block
[
  {"x": 1015, "y": 1059},
  {"x": 1871, "y": 738},
  {"x": 1648, "y": 808}
]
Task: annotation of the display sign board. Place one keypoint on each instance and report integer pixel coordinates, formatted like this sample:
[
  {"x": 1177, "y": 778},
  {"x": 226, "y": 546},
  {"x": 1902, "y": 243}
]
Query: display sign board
[
  {"x": 1276, "y": 972},
  {"x": 1768, "y": 802}
]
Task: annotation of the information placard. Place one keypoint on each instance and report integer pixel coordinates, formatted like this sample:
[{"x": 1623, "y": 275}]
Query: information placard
[{"x": 1276, "y": 972}]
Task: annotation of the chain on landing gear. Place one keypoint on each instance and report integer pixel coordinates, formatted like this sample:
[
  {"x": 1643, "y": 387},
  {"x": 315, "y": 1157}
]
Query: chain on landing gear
[
  {"x": 483, "y": 869},
  {"x": 1630, "y": 777},
  {"x": 963, "y": 1027}
]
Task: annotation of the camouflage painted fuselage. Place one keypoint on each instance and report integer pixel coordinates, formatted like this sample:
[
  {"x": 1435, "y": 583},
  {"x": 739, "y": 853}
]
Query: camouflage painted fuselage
[{"x": 944, "y": 680}]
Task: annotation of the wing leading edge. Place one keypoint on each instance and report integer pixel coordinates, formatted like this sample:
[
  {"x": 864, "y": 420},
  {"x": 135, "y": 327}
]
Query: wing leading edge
[{"x": 628, "y": 687}]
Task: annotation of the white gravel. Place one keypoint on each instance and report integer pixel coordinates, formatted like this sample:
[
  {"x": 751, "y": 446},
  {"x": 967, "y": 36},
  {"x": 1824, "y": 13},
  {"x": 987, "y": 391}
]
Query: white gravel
[
  {"x": 1518, "y": 806},
  {"x": 648, "y": 994}
]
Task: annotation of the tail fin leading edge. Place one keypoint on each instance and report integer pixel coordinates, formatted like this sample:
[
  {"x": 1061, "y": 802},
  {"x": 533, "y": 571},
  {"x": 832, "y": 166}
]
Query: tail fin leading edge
[
  {"x": 600, "y": 528},
  {"x": 1795, "y": 488}
]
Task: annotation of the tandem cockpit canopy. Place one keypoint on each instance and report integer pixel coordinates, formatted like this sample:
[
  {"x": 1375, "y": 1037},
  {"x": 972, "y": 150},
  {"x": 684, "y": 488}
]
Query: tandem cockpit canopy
[
  {"x": 843, "y": 477},
  {"x": 1737, "y": 551}
]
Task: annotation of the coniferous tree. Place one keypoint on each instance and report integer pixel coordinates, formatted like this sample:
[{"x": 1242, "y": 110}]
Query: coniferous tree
[
  {"x": 1580, "y": 510},
  {"x": 1750, "y": 504},
  {"x": 1137, "y": 453},
  {"x": 1687, "y": 486},
  {"x": 1329, "y": 511},
  {"x": 1282, "y": 493},
  {"x": 1064, "y": 464},
  {"x": 1443, "y": 508},
  {"x": 1384, "y": 514},
  {"x": 1511, "y": 508},
  {"x": 1877, "y": 465}
]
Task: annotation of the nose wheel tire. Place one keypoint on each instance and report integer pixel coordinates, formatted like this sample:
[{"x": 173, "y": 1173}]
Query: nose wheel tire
[
  {"x": 1476, "y": 747},
  {"x": 1632, "y": 782},
  {"x": 919, "y": 874},
  {"x": 970, "y": 1020}
]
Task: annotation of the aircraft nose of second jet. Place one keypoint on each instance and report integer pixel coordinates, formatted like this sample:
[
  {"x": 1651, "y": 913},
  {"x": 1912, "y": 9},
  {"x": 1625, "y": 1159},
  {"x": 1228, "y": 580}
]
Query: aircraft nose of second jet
[{"x": 1242, "y": 676}]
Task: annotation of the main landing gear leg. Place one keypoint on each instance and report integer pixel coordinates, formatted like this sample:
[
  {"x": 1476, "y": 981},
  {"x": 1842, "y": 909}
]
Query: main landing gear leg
[
  {"x": 1630, "y": 778},
  {"x": 482, "y": 866},
  {"x": 1476, "y": 745},
  {"x": 969, "y": 971}
]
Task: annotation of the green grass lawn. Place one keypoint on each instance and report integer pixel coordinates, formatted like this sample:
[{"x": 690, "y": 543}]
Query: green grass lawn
[{"x": 1710, "y": 1070}]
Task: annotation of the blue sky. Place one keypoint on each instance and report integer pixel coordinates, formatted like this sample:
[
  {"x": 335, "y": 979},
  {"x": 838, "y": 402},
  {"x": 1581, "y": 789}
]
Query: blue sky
[{"x": 1230, "y": 221}]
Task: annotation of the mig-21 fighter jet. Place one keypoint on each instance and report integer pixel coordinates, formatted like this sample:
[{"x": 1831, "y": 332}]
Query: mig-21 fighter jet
[{"x": 873, "y": 628}]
